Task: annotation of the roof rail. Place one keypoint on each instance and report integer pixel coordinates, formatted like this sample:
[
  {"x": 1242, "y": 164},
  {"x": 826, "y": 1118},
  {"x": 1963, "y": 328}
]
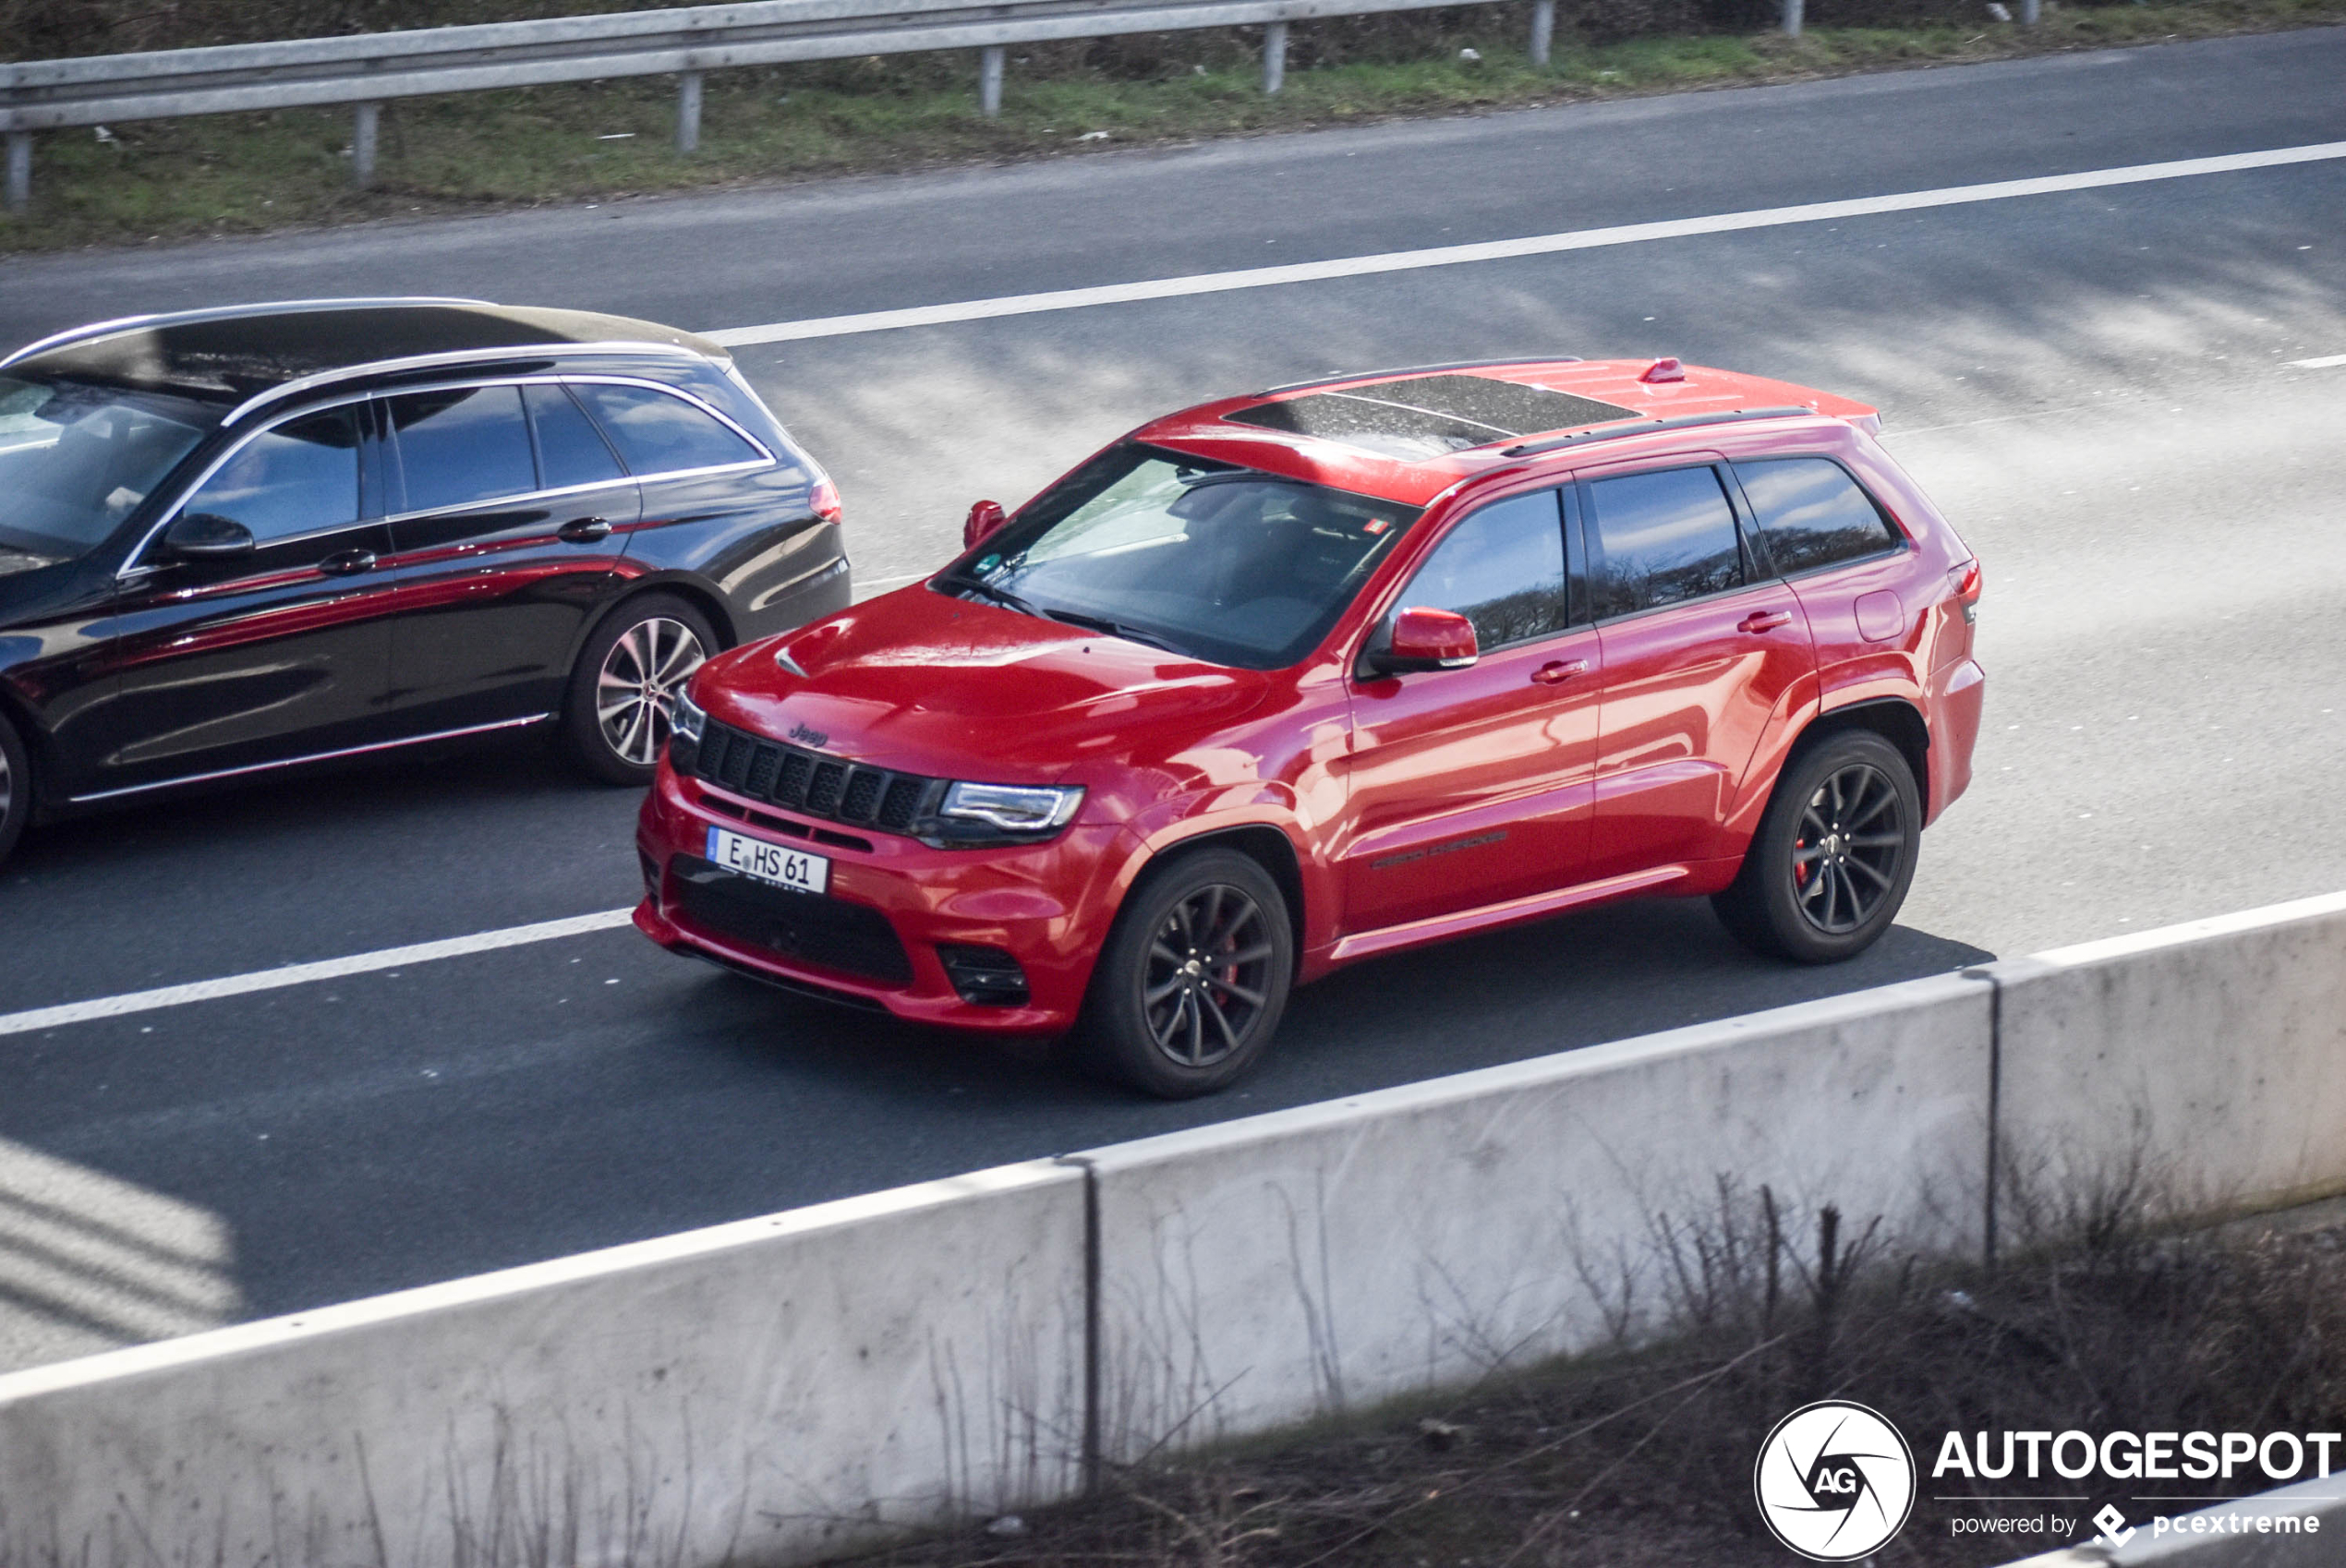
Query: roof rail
[
  {"x": 1647, "y": 426},
  {"x": 454, "y": 358},
  {"x": 1419, "y": 370},
  {"x": 220, "y": 313}
]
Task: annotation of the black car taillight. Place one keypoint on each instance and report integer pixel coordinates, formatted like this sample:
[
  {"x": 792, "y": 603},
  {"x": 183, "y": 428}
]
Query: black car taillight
[{"x": 984, "y": 977}]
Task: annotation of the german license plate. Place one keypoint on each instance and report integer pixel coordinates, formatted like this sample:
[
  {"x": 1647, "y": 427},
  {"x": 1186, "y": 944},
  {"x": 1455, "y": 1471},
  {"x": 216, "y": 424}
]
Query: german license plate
[{"x": 768, "y": 862}]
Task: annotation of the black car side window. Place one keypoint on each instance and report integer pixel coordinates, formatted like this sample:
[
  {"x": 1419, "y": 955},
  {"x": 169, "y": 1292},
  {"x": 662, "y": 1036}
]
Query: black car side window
[
  {"x": 1502, "y": 568},
  {"x": 463, "y": 445},
  {"x": 1814, "y": 515},
  {"x": 658, "y": 432},
  {"x": 570, "y": 451},
  {"x": 300, "y": 477},
  {"x": 1662, "y": 538}
]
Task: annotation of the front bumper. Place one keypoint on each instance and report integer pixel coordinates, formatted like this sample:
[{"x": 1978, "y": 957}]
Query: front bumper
[{"x": 873, "y": 938}]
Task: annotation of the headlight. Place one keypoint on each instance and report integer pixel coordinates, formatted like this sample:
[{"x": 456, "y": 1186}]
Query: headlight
[
  {"x": 1013, "y": 808},
  {"x": 687, "y": 719}
]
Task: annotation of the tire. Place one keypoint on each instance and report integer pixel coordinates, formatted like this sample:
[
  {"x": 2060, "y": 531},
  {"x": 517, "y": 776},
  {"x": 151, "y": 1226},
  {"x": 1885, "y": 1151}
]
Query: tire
[
  {"x": 15, "y": 788},
  {"x": 1208, "y": 932},
  {"x": 623, "y": 690},
  {"x": 1835, "y": 854}
]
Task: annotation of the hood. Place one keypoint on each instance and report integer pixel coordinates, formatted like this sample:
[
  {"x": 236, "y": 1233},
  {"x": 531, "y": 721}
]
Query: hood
[{"x": 923, "y": 682}]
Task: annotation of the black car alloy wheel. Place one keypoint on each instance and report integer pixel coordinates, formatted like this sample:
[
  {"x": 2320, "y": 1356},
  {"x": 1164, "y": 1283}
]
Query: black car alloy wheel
[
  {"x": 623, "y": 691},
  {"x": 1851, "y": 844},
  {"x": 16, "y": 788},
  {"x": 636, "y": 691}
]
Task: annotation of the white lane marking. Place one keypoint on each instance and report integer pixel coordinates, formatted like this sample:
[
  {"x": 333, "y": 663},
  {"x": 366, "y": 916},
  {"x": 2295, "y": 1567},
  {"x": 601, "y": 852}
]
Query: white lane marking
[
  {"x": 2331, "y": 363},
  {"x": 304, "y": 975},
  {"x": 1503, "y": 249}
]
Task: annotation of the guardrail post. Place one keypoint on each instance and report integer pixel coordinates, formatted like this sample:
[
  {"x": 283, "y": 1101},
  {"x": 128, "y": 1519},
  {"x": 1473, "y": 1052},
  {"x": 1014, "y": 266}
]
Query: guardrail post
[
  {"x": 1543, "y": 31},
  {"x": 1273, "y": 57},
  {"x": 1791, "y": 17},
  {"x": 363, "y": 135},
  {"x": 19, "y": 170},
  {"x": 989, "y": 82},
  {"x": 2029, "y": 13},
  {"x": 689, "y": 112}
]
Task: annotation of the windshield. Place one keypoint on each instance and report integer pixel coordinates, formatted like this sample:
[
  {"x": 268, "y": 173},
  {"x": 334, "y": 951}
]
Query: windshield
[
  {"x": 75, "y": 459},
  {"x": 1206, "y": 559}
]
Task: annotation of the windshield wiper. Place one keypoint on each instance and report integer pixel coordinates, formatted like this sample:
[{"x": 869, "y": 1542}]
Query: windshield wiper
[
  {"x": 1000, "y": 595},
  {"x": 1113, "y": 628},
  {"x": 1067, "y": 617}
]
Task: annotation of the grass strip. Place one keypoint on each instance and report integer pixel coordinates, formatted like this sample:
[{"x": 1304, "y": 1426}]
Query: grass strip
[{"x": 172, "y": 180}]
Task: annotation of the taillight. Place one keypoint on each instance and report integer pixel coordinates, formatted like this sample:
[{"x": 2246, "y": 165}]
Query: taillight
[
  {"x": 1967, "y": 587},
  {"x": 824, "y": 500}
]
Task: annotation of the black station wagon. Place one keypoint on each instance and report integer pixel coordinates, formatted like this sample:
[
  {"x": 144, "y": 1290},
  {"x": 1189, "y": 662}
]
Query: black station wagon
[{"x": 240, "y": 540}]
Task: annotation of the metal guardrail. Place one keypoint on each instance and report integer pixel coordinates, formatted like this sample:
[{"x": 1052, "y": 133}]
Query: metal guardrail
[{"x": 365, "y": 69}]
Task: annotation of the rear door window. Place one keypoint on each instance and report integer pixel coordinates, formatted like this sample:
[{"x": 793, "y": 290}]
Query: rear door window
[
  {"x": 1812, "y": 513},
  {"x": 659, "y": 432},
  {"x": 300, "y": 477},
  {"x": 570, "y": 451},
  {"x": 1659, "y": 539},
  {"x": 1502, "y": 569},
  {"x": 463, "y": 445}
]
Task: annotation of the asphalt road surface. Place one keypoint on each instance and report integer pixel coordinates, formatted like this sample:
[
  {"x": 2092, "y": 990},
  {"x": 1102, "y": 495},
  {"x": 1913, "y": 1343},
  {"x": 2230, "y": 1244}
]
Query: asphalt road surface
[{"x": 2098, "y": 385}]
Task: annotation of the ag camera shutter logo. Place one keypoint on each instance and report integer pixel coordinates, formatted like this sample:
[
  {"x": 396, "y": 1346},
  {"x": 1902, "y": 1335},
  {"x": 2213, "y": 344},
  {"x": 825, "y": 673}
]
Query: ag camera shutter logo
[{"x": 1835, "y": 1481}]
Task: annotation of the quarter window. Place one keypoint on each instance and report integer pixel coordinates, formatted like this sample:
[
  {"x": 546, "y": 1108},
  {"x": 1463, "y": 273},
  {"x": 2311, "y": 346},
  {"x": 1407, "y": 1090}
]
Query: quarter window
[
  {"x": 1663, "y": 538},
  {"x": 463, "y": 445},
  {"x": 659, "y": 433},
  {"x": 1502, "y": 569},
  {"x": 569, "y": 449},
  {"x": 1813, "y": 513},
  {"x": 297, "y": 478}
]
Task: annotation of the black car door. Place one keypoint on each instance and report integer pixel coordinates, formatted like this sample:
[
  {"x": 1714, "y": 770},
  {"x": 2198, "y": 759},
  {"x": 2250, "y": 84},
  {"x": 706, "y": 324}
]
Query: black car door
[
  {"x": 512, "y": 514},
  {"x": 230, "y": 662}
]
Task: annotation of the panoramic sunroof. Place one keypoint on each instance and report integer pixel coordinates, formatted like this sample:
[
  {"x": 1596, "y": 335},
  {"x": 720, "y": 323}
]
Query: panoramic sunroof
[{"x": 1428, "y": 415}]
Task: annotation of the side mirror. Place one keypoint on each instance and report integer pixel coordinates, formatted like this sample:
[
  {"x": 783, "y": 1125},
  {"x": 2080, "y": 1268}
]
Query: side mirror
[
  {"x": 207, "y": 536},
  {"x": 985, "y": 517},
  {"x": 1428, "y": 639}
]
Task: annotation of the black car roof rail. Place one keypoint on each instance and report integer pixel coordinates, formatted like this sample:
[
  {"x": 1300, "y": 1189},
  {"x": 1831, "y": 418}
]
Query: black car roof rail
[
  {"x": 222, "y": 313},
  {"x": 1647, "y": 426},
  {"x": 454, "y": 358},
  {"x": 1419, "y": 370}
]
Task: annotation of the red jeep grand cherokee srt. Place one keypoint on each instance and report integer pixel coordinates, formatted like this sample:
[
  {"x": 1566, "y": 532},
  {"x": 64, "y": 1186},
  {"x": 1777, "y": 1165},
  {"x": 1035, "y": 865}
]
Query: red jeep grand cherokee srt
[{"x": 1287, "y": 680}]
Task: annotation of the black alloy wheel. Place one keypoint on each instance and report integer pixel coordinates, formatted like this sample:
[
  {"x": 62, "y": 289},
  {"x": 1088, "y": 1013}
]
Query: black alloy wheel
[
  {"x": 15, "y": 788},
  {"x": 1194, "y": 976},
  {"x": 1834, "y": 855},
  {"x": 1847, "y": 854},
  {"x": 622, "y": 702}
]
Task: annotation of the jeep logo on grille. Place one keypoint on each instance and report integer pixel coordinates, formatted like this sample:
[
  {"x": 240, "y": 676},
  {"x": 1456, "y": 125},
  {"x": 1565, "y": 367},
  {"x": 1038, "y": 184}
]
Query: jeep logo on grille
[{"x": 810, "y": 737}]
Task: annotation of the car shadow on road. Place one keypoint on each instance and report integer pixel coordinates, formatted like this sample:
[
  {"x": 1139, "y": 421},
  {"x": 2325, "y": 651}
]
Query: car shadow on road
[{"x": 1580, "y": 980}]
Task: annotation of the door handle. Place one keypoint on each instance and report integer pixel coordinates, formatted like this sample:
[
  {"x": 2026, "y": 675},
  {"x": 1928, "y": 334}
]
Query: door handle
[
  {"x": 1764, "y": 620},
  {"x": 584, "y": 531},
  {"x": 1557, "y": 671},
  {"x": 348, "y": 563}
]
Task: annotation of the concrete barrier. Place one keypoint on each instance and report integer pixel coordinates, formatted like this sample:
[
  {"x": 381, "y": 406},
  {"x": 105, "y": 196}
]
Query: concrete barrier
[
  {"x": 793, "y": 1386},
  {"x": 1291, "y": 1265},
  {"x": 773, "y": 1390},
  {"x": 2298, "y": 1526},
  {"x": 2209, "y": 1059}
]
